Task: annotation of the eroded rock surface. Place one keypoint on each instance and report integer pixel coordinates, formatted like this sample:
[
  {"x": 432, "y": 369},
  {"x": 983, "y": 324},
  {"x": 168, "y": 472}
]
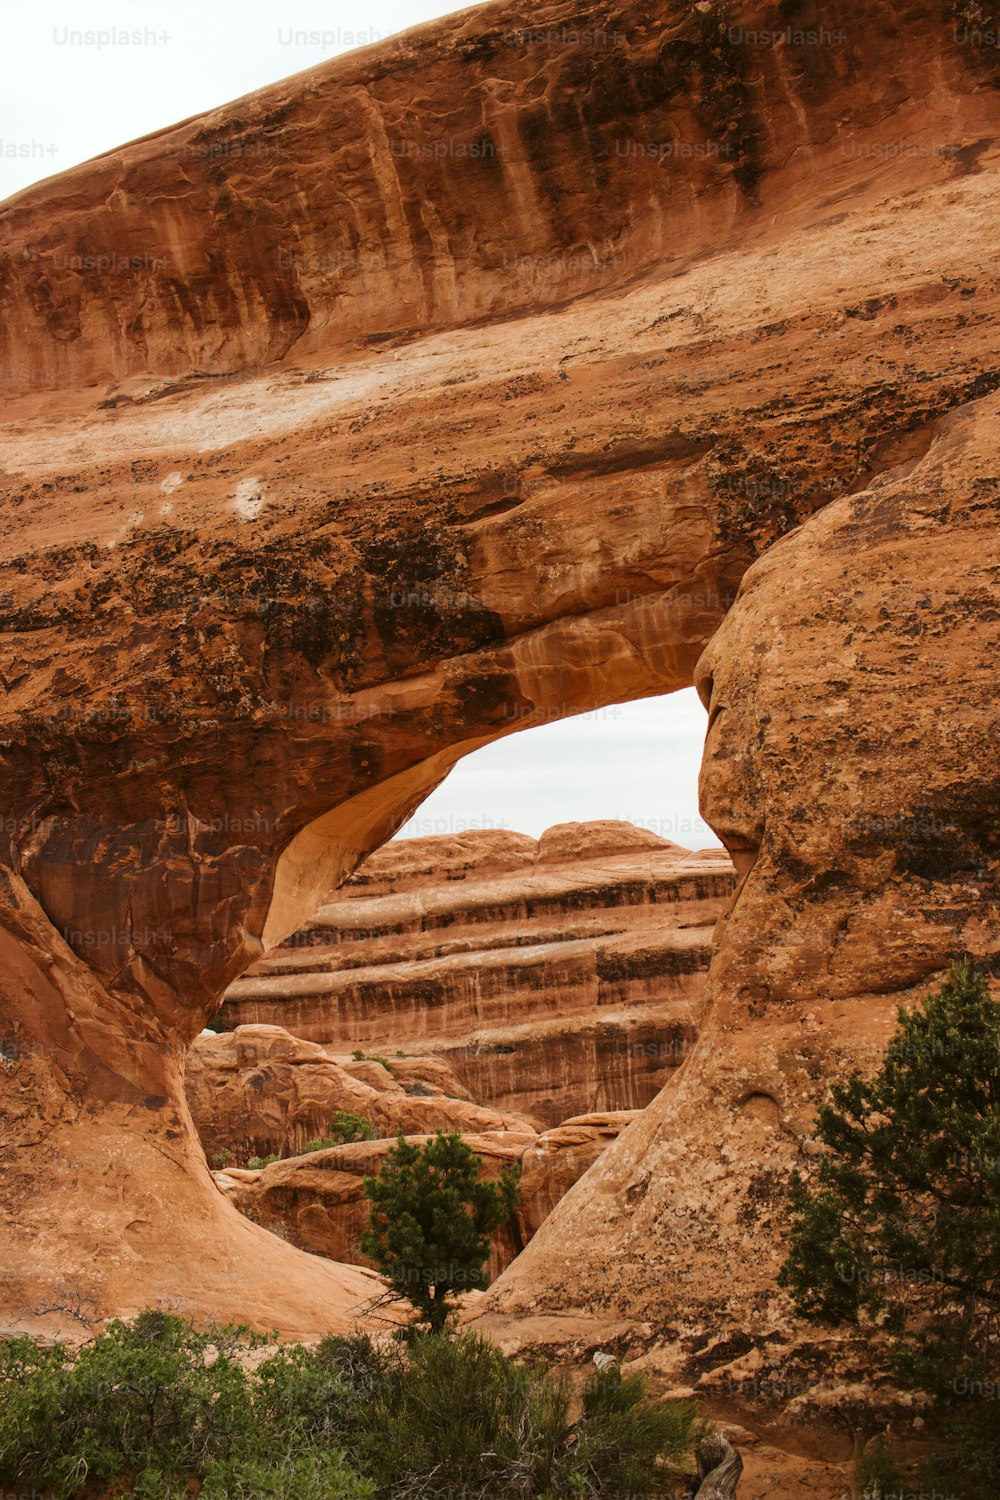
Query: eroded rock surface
[
  {"x": 318, "y": 1203},
  {"x": 851, "y": 766},
  {"x": 258, "y": 1091},
  {"x": 558, "y": 1158},
  {"x": 284, "y": 537},
  {"x": 550, "y": 978}
]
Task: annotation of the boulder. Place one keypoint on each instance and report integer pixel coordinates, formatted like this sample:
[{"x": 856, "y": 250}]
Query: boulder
[{"x": 259, "y": 1091}]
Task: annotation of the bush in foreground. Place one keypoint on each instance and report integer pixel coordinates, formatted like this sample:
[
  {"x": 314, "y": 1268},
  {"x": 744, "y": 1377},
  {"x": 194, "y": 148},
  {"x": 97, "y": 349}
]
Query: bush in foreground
[
  {"x": 152, "y": 1405},
  {"x": 149, "y": 1403},
  {"x": 460, "y": 1411}
]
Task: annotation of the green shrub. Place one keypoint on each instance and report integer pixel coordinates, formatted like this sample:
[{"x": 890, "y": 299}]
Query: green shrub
[
  {"x": 349, "y": 1127},
  {"x": 878, "y": 1476},
  {"x": 459, "y": 1411},
  {"x": 152, "y": 1406},
  {"x": 152, "y": 1403},
  {"x": 623, "y": 1435},
  {"x": 31, "y": 1385},
  {"x": 343, "y": 1130},
  {"x": 310, "y": 1476},
  {"x": 459, "y": 1417},
  {"x": 901, "y": 1228},
  {"x": 258, "y": 1163},
  {"x": 140, "y": 1397},
  {"x": 322, "y": 1395}
]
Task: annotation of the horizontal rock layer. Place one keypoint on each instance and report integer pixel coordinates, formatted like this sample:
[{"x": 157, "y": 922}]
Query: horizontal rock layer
[{"x": 554, "y": 978}]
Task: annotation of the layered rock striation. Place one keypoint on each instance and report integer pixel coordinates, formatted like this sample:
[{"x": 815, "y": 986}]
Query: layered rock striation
[{"x": 553, "y": 978}]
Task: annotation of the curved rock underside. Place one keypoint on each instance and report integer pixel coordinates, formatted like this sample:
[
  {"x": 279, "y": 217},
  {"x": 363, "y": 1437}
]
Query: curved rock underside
[{"x": 448, "y": 388}]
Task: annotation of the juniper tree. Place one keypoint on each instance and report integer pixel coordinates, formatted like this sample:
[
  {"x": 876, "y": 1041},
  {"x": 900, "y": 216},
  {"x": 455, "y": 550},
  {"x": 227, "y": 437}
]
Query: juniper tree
[
  {"x": 431, "y": 1219},
  {"x": 900, "y": 1228}
]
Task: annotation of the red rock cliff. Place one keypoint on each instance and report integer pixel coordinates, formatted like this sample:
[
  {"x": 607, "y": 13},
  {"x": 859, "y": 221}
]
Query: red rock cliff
[{"x": 555, "y": 978}]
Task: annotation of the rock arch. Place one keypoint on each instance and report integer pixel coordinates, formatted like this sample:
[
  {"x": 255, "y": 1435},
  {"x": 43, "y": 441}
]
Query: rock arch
[{"x": 298, "y": 508}]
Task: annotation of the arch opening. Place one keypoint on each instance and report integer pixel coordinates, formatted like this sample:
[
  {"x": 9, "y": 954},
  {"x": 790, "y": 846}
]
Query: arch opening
[{"x": 541, "y": 922}]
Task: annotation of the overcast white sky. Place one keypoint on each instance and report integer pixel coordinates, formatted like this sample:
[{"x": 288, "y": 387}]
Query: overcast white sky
[
  {"x": 64, "y": 99},
  {"x": 637, "y": 761}
]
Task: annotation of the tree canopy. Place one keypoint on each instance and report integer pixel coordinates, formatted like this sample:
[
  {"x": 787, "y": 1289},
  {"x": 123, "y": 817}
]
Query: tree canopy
[{"x": 431, "y": 1219}]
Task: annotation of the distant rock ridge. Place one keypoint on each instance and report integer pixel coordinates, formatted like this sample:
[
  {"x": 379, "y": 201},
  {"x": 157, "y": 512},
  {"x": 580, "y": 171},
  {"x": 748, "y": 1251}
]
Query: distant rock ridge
[
  {"x": 555, "y": 976},
  {"x": 405, "y": 863}
]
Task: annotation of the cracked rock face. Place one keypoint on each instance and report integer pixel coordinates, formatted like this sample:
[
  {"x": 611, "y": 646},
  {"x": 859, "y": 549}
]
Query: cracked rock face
[
  {"x": 852, "y": 753},
  {"x": 283, "y": 538}
]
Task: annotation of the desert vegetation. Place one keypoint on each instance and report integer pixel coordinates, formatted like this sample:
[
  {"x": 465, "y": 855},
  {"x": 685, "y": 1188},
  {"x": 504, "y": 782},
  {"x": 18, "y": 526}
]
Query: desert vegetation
[
  {"x": 431, "y": 1219},
  {"x": 899, "y": 1231},
  {"x": 345, "y": 1127},
  {"x": 154, "y": 1410}
]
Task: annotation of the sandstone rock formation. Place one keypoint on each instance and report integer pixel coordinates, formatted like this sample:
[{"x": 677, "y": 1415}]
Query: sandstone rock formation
[
  {"x": 863, "y": 816},
  {"x": 556, "y": 1159},
  {"x": 318, "y": 1202},
  {"x": 258, "y": 1091},
  {"x": 551, "y": 978},
  {"x": 317, "y": 478}
]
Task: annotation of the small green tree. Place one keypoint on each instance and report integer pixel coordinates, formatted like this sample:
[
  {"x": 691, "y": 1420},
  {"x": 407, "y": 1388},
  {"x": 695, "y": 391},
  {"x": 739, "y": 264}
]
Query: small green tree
[
  {"x": 343, "y": 1130},
  {"x": 431, "y": 1218},
  {"x": 901, "y": 1227}
]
